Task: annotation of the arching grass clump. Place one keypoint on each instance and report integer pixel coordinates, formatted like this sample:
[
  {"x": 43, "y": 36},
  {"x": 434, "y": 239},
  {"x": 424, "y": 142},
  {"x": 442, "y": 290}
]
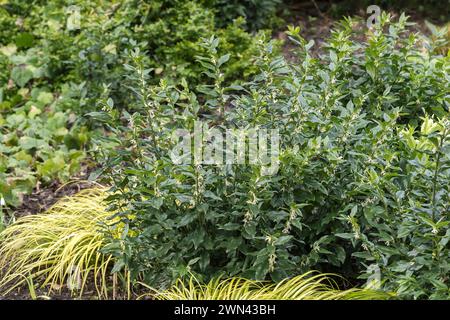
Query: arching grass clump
[
  {"x": 308, "y": 286},
  {"x": 59, "y": 248}
]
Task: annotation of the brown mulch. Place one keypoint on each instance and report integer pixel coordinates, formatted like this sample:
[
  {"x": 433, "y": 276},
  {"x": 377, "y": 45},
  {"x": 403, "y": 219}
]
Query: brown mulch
[{"x": 89, "y": 293}]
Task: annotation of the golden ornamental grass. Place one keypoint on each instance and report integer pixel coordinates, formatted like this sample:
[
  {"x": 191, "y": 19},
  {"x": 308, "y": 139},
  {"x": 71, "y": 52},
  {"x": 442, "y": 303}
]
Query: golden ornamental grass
[
  {"x": 59, "y": 248},
  {"x": 308, "y": 286}
]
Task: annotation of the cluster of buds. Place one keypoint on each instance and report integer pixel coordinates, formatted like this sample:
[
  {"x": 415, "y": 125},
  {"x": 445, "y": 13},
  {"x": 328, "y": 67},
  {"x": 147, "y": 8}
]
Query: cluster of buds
[
  {"x": 292, "y": 216},
  {"x": 272, "y": 262},
  {"x": 247, "y": 217}
]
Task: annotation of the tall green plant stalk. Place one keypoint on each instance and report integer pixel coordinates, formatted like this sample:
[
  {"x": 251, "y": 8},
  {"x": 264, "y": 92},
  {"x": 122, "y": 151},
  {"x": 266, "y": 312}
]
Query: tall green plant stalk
[{"x": 438, "y": 155}]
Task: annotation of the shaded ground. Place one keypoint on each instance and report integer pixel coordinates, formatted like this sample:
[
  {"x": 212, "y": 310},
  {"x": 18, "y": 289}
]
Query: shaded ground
[
  {"x": 63, "y": 293},
  {"x": 43, "y": 197},
  {"x": 316, "y": 25}
]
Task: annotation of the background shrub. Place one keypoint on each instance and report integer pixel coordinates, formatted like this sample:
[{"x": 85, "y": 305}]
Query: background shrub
[
  {"x": 54, "y": 75},
  {"x": 258, "y": 14}
]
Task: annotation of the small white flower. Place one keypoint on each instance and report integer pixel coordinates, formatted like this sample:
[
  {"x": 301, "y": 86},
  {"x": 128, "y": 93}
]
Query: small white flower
[{"x": 2, "y": 202}]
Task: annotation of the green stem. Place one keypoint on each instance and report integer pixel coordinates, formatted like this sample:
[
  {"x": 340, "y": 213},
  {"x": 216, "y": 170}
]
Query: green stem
[
  {"x": 436, "y": 172},
  {"x": 147, "y": 107}
]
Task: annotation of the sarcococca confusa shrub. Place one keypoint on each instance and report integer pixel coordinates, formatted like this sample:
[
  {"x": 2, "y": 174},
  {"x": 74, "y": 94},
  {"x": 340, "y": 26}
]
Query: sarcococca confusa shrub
[{"x": 362, "y": 183}]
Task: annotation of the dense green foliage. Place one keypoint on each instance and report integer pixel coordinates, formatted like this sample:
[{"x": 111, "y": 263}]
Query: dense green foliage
[
  {"x": 258, "y": 13},
  {"x": 362, "y": 186},
  {"x": 57, "y": 65},
  {"x": 363, "y": 177},
  {"x": 40, "y": 139}
]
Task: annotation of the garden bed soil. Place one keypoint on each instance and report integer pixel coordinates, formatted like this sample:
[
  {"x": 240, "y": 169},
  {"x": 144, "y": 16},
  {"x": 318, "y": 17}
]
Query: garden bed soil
[{"x": 44, "y": 197}]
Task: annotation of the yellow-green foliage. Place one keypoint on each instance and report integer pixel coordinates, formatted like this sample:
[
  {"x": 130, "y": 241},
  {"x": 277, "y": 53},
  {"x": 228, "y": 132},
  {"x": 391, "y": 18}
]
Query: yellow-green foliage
[
  {"x": 59, "y": 247},
  {"x": 309, "y": 286}
]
